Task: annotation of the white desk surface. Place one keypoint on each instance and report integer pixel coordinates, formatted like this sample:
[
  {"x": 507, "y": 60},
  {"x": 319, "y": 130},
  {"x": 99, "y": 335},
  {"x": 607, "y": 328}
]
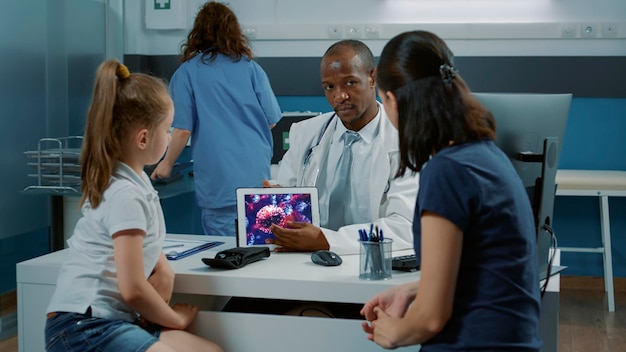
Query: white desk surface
[
  {"x": 281, "y": 276},
  {"x": 591, "y": 183}
]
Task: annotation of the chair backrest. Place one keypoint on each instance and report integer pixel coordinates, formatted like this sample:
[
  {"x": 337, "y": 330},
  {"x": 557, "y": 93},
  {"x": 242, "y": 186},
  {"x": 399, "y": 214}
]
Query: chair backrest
[{"x": 530, "y": 130}]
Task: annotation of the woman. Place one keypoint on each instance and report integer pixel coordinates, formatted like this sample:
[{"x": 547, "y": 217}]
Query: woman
[
  {"x": 224, "y": 101},
  {"x": 474, "y": 233}
]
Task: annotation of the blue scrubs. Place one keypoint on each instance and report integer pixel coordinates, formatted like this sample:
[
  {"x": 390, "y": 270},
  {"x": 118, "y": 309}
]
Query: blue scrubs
[{"x": 228, "y": 106}]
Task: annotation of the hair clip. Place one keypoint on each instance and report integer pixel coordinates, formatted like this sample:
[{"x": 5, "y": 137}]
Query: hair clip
[
  {"x": 447, "y": 73},
  {"x": 122, "y": 72}
]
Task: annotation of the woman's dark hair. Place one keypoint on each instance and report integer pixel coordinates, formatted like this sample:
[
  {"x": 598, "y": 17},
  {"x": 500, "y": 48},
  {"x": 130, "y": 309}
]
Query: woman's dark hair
[
  {"x": 216, "y": 30},
  {"x": 435, "y": 106}
]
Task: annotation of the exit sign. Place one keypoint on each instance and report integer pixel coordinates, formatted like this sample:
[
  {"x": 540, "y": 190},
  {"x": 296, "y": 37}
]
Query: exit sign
[{"x": 162, "y": 4}]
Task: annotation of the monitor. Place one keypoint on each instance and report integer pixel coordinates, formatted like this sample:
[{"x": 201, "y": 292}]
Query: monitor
[
  {"x": 530, "y": 130},
  {"x": 280, "y": 132}
]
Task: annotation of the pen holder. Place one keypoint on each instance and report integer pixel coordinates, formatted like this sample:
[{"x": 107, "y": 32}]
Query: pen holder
[{"x": 375, "y": 260}]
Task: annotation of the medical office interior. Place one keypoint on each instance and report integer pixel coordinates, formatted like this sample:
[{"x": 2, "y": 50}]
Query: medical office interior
[{"x": 51, "y": 49}]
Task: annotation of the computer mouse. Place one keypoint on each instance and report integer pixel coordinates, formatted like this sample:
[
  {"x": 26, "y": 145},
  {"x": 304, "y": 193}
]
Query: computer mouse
[{"x": 326, "y": 258}]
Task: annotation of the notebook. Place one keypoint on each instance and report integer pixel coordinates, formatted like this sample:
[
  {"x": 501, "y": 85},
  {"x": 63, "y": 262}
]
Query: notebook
[{"x": 259, "y": 208}]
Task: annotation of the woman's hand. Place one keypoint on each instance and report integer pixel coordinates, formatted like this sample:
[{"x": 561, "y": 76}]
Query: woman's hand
[
  {"x": 162, "y": 170},
  {"x": 394, "y": 301},
  {"x": 385, "y": 330}
]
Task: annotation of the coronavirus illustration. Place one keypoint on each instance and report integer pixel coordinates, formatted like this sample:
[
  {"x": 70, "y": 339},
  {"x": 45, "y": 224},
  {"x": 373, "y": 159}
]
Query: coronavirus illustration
[{"x": 263, "y": 210}]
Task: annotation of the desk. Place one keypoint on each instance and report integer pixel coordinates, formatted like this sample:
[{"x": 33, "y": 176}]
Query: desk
[
  {"x": 289, "y": 276},
  {"x": 602, "y": 184}
]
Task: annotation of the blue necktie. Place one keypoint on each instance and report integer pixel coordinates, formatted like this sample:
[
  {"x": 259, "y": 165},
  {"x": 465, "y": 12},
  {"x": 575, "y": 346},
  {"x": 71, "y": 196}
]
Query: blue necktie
[{"x": 339, "y": 196}]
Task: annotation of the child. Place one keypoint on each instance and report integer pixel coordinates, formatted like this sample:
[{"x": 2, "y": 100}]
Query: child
[{"x": 114, "y": 287}]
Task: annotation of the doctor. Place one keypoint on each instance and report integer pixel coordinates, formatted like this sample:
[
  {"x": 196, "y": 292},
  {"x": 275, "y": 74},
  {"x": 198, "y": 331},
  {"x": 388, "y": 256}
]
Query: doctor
[{"x": 317, "y": 148}]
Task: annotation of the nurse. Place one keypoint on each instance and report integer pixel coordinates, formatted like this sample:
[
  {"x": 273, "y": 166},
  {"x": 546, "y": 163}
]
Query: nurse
[{"x": 224, "y": 101}]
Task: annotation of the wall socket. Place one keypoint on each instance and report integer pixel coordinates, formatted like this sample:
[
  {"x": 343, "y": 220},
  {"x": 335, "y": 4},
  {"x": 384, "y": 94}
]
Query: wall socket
[
  {"x": 372, "y": 31},
  {"x": 569, "y": 30},
  {"x": 249, "y": 31},
  {"x": 609, "y": 30},
  {"x": 353, "y": 32},
  {"x": 588, "y": 30},
  {"x": 335, "y": 31}
]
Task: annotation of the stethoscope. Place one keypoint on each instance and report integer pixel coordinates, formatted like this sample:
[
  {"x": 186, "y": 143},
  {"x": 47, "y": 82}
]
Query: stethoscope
[
  {"x": 307, "y": 156},
  {"x": 309, "y": 153}
]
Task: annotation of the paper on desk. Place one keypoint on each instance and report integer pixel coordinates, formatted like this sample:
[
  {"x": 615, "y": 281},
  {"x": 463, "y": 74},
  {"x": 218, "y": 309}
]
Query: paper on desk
[{"x": 176, "y": 249}]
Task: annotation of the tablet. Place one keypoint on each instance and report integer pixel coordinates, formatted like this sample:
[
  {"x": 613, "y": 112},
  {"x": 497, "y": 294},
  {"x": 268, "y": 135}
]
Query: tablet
[{"x": 259, "y": 208}]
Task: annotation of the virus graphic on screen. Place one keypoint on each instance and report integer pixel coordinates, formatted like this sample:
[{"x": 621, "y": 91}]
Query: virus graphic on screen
[
  {"x": 263, "y": 210},
  {"x": 268, "y": 215}
]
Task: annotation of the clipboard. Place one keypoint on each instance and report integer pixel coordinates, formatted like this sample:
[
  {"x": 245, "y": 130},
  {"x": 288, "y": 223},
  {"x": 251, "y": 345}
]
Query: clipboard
[{"x": 178, "y": 249}]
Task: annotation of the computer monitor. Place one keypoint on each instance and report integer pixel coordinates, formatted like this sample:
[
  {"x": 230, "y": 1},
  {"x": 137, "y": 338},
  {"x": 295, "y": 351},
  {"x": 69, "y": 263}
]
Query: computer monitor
[
  {"x": 530, "y": 130},
  {"x": 280, "y": 132}
]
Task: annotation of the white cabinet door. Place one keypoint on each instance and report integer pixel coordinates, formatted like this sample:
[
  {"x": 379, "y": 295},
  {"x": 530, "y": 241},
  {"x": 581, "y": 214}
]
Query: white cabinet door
[{"x": 33, "y": 300}]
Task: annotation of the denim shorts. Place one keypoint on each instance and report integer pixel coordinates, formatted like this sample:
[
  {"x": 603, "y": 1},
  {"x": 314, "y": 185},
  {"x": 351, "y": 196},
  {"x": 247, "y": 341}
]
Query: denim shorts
[{"x": 80, "y": 332}]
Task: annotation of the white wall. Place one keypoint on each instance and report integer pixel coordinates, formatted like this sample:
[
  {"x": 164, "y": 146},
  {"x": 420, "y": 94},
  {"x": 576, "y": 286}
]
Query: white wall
[{"x": 471, "y": 27}]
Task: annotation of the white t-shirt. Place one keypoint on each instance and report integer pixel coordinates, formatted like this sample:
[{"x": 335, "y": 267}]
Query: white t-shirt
[{"x": 88, "y": 277}]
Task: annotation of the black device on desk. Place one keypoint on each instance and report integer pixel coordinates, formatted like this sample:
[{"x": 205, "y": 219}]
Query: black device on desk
[
  {"x": 405, "y": 263},
  {"x": 237, "y": 257}
]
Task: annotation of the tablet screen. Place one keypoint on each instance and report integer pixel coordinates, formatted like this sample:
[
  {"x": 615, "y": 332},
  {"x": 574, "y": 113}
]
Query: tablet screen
[{"x": 259, "y": 208}]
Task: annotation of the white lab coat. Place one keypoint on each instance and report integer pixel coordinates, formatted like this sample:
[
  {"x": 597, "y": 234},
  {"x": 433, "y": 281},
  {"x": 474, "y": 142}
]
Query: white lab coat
[{"x": 392, "y": 201}]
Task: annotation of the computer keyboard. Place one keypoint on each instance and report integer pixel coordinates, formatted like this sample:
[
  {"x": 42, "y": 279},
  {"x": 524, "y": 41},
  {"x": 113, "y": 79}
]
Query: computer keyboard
[{"x": 405, "y": 263}]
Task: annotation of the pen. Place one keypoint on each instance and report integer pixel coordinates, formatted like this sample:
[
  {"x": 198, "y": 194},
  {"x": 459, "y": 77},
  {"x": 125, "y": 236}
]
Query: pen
[
  {"x": 363, "y": 235},
  {"x": 377, "y": 260},
  {"x": 174, "y": 246},
  {"x": 364, "y": 238}
]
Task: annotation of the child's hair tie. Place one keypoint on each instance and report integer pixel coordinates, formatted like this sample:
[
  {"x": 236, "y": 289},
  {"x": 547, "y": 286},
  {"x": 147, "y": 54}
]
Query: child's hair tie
[{"x": 122, "y": 72}]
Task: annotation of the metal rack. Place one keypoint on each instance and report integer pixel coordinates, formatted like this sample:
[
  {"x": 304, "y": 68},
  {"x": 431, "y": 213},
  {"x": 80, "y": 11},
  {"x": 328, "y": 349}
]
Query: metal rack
[{"x": 56, "y": 164}]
